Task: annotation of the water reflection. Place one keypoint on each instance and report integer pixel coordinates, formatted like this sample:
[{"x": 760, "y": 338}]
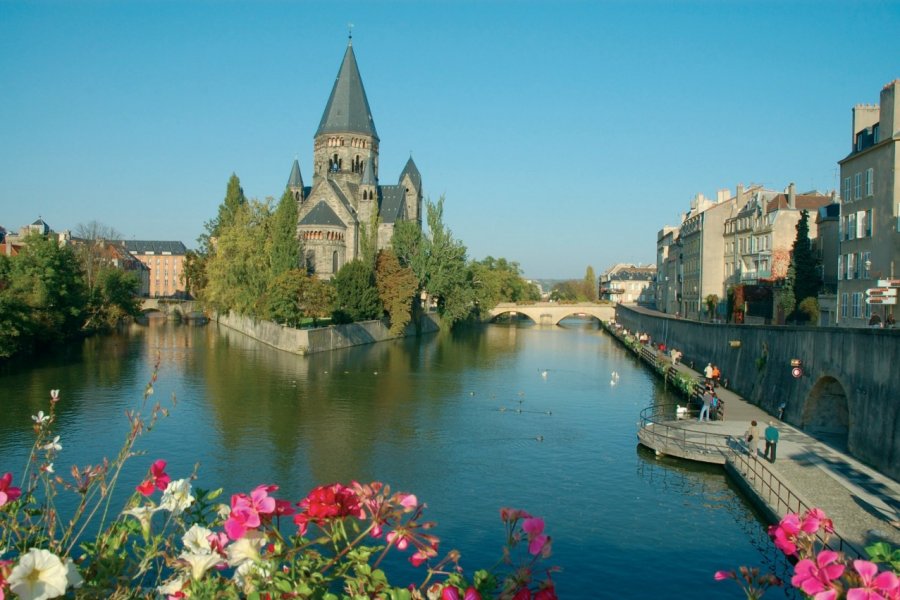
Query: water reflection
[{"x": 470, "y": 421}]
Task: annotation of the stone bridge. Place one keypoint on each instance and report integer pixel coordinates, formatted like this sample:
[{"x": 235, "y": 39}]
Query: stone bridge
[
  {"x": 170, "y": 306},
  {"x": 551, "y": 313}
]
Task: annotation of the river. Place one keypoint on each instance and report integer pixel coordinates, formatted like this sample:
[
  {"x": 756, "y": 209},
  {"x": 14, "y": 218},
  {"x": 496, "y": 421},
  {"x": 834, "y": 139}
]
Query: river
[{"x": 469, "y": 421}]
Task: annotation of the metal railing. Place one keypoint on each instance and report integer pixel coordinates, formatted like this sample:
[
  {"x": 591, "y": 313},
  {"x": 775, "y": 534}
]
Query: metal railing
[
  {"x": 781, "y": 498},
  {"x": 656, "y": 421}
]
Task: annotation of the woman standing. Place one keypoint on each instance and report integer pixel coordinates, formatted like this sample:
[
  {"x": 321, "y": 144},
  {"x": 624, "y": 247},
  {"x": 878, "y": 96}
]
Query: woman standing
[{"x": 752, "y": 438}]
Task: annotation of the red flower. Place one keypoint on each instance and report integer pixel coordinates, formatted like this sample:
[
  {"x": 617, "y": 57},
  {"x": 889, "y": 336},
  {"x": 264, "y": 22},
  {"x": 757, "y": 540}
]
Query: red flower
[
  {"x": 327, "y": 502},
  {"x": 158, "y": 479},
  {"x": 7, "y": 492}
]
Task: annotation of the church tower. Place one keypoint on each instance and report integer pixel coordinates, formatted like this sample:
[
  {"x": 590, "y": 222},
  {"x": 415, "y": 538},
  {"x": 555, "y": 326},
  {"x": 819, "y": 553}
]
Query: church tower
[
  {"x": 346, "y": 138},
  {"x": 295, "y": 183}
]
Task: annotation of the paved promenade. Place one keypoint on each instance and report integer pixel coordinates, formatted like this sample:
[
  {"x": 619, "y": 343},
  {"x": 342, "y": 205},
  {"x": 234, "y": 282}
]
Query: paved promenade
[{"x": 864, "y": 504}]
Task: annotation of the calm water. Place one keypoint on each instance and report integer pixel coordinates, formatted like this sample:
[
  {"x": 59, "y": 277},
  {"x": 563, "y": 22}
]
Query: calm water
[{"x": 466, "y": 421}]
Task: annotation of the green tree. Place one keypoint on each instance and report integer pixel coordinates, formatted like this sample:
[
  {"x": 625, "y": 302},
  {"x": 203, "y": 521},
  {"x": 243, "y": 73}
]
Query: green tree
[
  {"x": 712, "y": 302},
  {"x": 787, "y": 301},
  {"x": 193, "y": 273},
  {"x": 810, "y": 309},
  {"x": 357, "y": 295},
  {"x": 410, "y": 247},
  {"x": 368, "y": 241},
  {"x": 397, "y": 287},
  {"x": 48, "y": 281},
  {"x": 91, "y": 249},
  {"x": 113, "y": 298},
  {"x": 283, "y": 297},
  {"x": 447, "y": 277},
  {"x": 591, "y": 284},
  {"x": 238, "y": 272},
  {"x": 806, "y": 279},
  {"x": 286, "y": 250},
  {"x": 318, "y": 299}
]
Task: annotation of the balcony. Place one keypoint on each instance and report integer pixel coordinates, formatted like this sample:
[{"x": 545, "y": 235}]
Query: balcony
[{"x": 754, "y": 276}]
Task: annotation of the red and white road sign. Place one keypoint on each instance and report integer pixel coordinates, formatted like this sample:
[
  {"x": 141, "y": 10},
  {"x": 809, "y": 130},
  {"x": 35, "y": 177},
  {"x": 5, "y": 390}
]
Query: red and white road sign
[
  {"x": 797, "y": 372},
  {"x": 888, "y": 283},
  {"x": 881, "y": 300},
  {"x": 881, "y": 291}
]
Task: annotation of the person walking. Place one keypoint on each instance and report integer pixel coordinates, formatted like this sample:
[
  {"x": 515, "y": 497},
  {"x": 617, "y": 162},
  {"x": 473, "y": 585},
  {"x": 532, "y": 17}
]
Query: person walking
[
  {"x": 752, "y": 438},
  {"x": 708, "y": 373},
  {"x": 707, "y": 402},
  {"x": 771, "y": 441}
]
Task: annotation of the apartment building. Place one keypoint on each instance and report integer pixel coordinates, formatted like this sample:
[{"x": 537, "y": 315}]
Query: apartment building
[
  {"x": 869, "y": 227},
  {"x": 165, "y": 259}
]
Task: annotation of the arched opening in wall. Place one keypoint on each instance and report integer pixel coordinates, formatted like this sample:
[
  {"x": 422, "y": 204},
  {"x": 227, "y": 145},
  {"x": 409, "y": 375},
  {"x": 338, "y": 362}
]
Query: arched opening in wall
[
  {"x": 825, "y": 412},
  {"x": 513, "y": 318},
  {"x": 580, "y": 321},
  {"x": 334, "y": 262}
]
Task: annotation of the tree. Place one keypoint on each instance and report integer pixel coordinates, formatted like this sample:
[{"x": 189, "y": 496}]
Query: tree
[
  {"x": 806, "y": 279},
  {"x": 357, "y": 294},
  {"x": 787, "y": 301},
  {"x": 286, "y": 250},
  {"x": 409, "y": 246},
  {"x": 397, "y": 287},
  {"x": 238, "y": 271},
  {"x": 193, "y": 273},
  {"x": 113, "y": 298},
  {"x": 283, "y": 297},
  {"x": 447, "y": 277},
  {"x": 318, "y": 299},
  {"x": 47, "y": 282},
  {"x": 810, "y": 309},
  {"x": 712, "y": 301},
  {"x": 368, "y": 241},
  {"x": 91, "y": 248},
  {"x": 591, "y": 284}
]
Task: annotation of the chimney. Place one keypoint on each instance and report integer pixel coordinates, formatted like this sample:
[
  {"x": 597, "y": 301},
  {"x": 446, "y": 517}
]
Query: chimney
[
  {"x": 890, "y": 110},
  {"x": 791, "y": 196},
  {"x": 740, "y": 191}
]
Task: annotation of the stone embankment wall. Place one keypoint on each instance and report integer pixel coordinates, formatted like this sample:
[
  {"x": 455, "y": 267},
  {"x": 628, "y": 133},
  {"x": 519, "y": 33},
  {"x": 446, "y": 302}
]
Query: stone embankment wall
[
  {"x": 322, "y": 339},
  {"x": 850, "y": 383}
]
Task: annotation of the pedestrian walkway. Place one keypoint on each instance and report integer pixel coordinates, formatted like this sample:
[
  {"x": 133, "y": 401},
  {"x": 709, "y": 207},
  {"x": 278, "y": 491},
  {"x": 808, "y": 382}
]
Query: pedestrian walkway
[{"x": 864, "y": 504}]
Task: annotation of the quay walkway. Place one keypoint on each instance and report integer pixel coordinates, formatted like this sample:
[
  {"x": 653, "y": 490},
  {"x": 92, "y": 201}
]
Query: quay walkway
[{"x": 808, "y": 472}]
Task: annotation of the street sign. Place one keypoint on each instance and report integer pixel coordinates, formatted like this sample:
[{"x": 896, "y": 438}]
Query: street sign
[
  {"x": 797, "y": 372},
  {"x": 881, "y": 291},
  {"x": 888, "y": 283},
  {"x": 881, "y": 300}
]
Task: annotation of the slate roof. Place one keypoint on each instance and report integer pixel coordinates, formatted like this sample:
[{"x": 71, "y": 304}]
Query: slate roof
[
  {"x": 322, "y": 214},
  {"x": 295, "y": 180},
  {"x": 156, "y": 247},
  {"x": 801, "y": 202},
  {"x": 348, "y": 110},
  {"x": 413, "y": 172},
  {"x": 393, "y": 203},
  {"x": 368, "y": 177},
  {"x": 340, "y": 194}
]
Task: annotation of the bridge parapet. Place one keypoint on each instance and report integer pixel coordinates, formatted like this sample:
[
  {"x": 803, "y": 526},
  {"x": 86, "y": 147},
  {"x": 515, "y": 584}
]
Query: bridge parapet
[{"x": 551, "y": 313}]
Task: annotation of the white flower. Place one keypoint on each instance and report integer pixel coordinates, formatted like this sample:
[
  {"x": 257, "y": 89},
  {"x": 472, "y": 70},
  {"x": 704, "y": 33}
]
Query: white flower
[
  {"x": 223, "y": 511},
  {"x": 196, "y": 540},
  {"x": 200, "y": 563},
  {"x": 248, "y": 570},
  {"x": 144, "y": 514},
  {"x": 177, "y": 496},
  {"x": 73, "y": 577},
  {"x": 39, "y": 575},
  {"x": 171, "y": 586},
  {"x": 54, "y": 395},
  {"x": 48, "y": 468},
  {"x": 245, "y": 549},
  {"x": 54, "y": 445},
  {"x": 40, "y": 418}
]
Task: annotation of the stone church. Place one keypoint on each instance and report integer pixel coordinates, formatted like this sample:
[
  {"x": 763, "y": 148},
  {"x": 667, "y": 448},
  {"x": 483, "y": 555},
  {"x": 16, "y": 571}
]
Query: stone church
[{"x": 346, "y": 197}]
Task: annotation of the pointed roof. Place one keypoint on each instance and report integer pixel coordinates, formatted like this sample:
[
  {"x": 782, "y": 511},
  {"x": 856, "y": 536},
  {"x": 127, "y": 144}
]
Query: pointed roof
[
  {"x": 347, "y": 110},
  {"x": 393, "y": 203},
  {"x": 322, "y": 214},
  {"x": 413, "y": 172},
  {"x": 295, "y": 180},
  {"x": 368, "y": 177}
]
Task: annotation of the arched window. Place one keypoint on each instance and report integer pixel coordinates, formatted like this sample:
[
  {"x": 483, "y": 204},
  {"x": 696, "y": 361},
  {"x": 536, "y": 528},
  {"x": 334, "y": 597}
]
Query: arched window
[
  {"x": 297, "y": 196},
  {"x": 334, "y": 262}
]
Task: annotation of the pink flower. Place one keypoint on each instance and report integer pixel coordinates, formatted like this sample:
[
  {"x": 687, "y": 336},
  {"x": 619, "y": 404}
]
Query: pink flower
[
  {"x": 523, "y": 594},
  {"x": 327, "y": 502},
  {"x": 875, "y": 586},
  {"x": 814, "y": 519},
  {"x": 409, "y": 502},
  {"x": 546, "y": 593},
  {"x": 814, "y": 577},
  {"x": 513, "y": 514},
  {"x": 245, "y": 511},
  {"x": 452, "y": 593},
  {"x": 399, "y": 538},
  {"x": 8, "y": 493},
  {"x": 158, "y": 479},
  {"x": 722, "y": 575},
  {"x": 534, "y": 527},
  {"x": 785, "y": 534}
]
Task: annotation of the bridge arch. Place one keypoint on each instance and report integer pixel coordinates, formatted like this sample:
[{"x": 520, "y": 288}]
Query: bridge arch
[
  {"x": 511, "y": 315},
  {"x": 826, "y": 411}
]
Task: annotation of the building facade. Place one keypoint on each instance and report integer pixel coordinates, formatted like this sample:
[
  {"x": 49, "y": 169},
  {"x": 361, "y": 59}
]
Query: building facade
[
  {"x": 629, "y": 284},
  {"x": 346, "y": 206},
  {"x": 165, "y": 262},
  {"x": 869, "y": 229}
]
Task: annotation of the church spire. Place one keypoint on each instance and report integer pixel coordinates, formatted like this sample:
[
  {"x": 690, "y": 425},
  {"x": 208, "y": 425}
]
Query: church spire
[
  {"x": 348, "y": 110},
  {"x": 368, "y": 177},
  {"x": 295, "y": 180}
]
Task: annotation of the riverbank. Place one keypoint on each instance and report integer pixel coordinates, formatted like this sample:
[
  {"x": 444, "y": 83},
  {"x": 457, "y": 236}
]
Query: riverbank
[
  {"x": 322, "y": 339},
  {"x": 864, "y": 504}
]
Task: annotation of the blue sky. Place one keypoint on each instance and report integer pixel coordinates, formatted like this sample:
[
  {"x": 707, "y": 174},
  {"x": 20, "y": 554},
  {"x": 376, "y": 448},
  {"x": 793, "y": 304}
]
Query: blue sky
[{"x": 562, "y": 133}]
